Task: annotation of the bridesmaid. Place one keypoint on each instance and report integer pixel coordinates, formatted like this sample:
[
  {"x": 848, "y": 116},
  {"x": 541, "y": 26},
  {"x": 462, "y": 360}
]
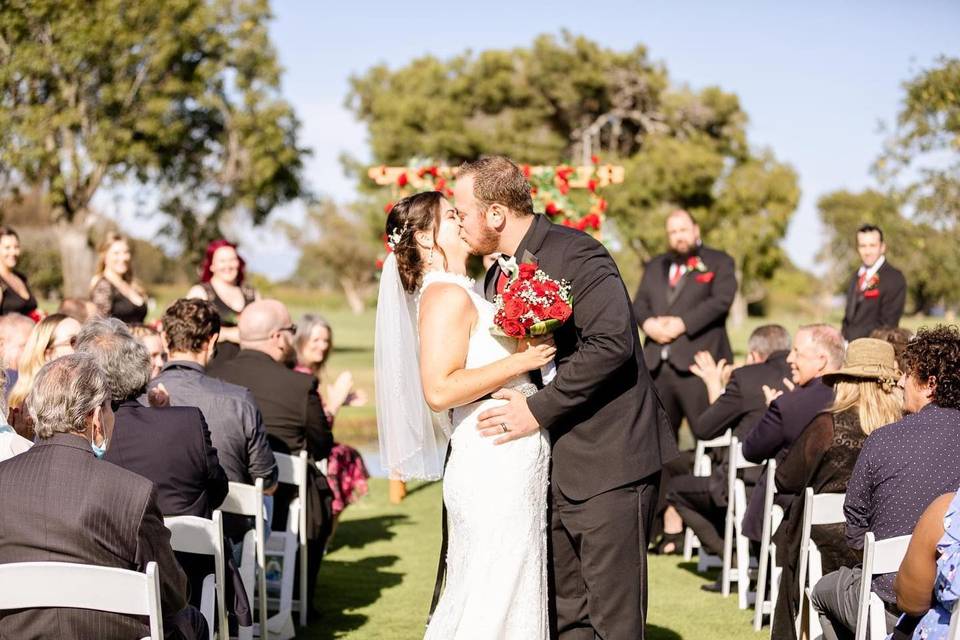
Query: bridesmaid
[
  {"x": 221, "y": 282},
  {"x": 114, "y": 290},
  {"x": 15, "y": 294}
]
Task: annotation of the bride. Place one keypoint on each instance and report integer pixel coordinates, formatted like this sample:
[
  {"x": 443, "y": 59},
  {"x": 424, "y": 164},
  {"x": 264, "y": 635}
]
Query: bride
[{"x": 436, "y": 365}]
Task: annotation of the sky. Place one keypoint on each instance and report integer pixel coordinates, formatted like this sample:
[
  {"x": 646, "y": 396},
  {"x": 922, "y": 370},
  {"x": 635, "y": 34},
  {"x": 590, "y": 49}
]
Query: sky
[{"x": 816, "y": 78}]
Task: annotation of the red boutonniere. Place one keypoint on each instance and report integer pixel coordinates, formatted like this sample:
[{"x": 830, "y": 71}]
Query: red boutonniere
[
  {"x": 871, "y": 293},
  {"x": 695, "y": 263},
  {"x": 706, "y": 277}
]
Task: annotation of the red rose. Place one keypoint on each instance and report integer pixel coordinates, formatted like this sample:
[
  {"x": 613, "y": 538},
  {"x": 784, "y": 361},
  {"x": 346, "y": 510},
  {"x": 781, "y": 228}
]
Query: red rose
[
  {"x": 539, "y": 288},
  {"x": 705, "y": 277},
  {"x": 422, "y": 171},
  {"x": 387, "y": 208},
  {"x": 526, "y": 171},
  {"x": 595, "y": 159},
  {"x": 692, "y": 262},
  {"x": 513, "y": 308},
  {"x": 582, "y": 224},
  {"x": 559, "y": 310},
  {"x": 871, "y": 293},
  {"x": 513, "y": 328},
  {"x": 602, "y": 205},
  {"x": 527, "y": 270},
  {"x": 441, "y": 183},
  {"x": 551, "y": 209},
  {"x": 565, "y": 188},
  {"x": 592, "y": 221},
  {"x": 402, "y": 180},
  {"x": 568, "y": 223},
  {"x": 379, "y": 264},
  {"x": 592, "y": 186}
]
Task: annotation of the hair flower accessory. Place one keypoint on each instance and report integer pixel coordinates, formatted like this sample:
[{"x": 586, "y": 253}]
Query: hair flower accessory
[{"x": 395, "y": 236}]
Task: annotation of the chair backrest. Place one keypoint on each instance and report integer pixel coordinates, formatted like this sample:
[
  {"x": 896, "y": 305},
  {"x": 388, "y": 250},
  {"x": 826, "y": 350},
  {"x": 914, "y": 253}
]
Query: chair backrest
[
  {"x": 244, "y": 499},
  {"x": 737, "y": 461},
  {"x": 879, "y": 557},
  {"x": 191, "y": 534},
  {"x": 31, "y": 585},
  {"x": 701, "y": 462},
  {"x": 291, "y": 469},
  {"x": 818, "y": 508}
]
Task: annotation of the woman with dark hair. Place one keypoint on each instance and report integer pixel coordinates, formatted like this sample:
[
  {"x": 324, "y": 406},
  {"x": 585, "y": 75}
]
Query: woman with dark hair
[
  {"x": 222, "y": 283},
  {"x": 346, "y": 472},
  {"x": 15, "y": 294},
  {"x": 114, "y": 290}
]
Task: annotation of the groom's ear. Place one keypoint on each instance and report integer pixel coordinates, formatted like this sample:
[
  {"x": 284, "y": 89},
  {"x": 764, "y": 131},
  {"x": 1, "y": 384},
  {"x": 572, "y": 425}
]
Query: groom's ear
[{"x": 497, "y": 216}]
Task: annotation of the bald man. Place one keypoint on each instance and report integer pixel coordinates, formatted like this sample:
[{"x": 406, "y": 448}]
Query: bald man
[
  {"x": 682, "y": 306},
  {"x": 292, "y": 413}
]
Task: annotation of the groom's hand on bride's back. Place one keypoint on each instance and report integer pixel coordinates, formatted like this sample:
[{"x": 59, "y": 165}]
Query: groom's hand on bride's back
[{"x": 515, "y": 416}]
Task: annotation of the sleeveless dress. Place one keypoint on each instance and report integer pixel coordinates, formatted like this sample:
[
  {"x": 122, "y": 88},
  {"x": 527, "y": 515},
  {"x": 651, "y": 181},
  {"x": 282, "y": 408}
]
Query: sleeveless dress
[
  {"x": 496, "y": 498},
  {"x": 12, "y": 301}
]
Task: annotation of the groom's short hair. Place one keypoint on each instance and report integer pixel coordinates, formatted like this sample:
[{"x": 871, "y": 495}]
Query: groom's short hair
[{"x": 498, "y": 180}]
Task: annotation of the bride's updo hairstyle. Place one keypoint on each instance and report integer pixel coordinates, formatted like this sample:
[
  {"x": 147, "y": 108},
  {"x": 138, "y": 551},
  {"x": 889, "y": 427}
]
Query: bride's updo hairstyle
[{"x": 419, "y": 212}]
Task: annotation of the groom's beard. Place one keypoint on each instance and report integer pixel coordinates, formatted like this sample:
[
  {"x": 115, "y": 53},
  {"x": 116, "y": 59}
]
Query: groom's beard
[{"x": 487, "y": 243}]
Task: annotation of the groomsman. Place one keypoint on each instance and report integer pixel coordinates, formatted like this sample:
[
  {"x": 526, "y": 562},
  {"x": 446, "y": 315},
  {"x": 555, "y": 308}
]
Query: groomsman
[
  {"x": 682, "y": 306},
  {"x": 877, "y": 291}
]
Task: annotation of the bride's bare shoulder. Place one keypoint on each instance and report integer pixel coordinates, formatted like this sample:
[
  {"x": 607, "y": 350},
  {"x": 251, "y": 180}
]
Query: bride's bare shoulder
[{"x": 446, "y": 298}]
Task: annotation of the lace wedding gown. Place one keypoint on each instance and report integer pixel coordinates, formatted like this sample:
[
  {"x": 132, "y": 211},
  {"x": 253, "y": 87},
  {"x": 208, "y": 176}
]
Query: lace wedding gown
[{"x": 496, "y": 499}]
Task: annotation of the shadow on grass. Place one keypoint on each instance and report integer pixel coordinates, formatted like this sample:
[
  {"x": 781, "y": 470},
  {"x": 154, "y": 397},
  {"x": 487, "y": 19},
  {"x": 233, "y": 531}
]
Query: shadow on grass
[
  {"x": 662, "y": 633},
  {"x": 347, "y": 586},
  {"x": 691, "y": 567},
  {"x": 419, "y": 487},
  {"x": 358, "y": 533}
]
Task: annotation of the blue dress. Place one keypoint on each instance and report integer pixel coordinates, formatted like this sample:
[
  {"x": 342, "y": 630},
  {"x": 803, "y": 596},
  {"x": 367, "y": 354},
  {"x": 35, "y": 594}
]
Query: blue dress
[{"x": 946, "y": 590}]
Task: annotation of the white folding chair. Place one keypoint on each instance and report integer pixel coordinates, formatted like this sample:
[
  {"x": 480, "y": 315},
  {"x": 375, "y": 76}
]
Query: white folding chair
[
  {"x": 190, "y": 534},
  {"x": 34, "y": 585},
  {"x": 285, "y": 544},
  {"x": 733, "y": 527},
  {"x": 702, "y": 469},
  {"x": 879, "y": 557},
  {"x": 818, "y": 509},
  {"x": 247, "y": 500},
  {"x": 767, "y": 560}
]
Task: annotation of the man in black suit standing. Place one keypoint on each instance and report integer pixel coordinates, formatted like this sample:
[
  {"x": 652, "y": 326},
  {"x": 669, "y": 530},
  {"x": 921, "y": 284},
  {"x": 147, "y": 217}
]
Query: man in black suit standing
[
  {"x": 610, "y": 434},
  {"x": 736, "y": 406},
  {"x": 682, "y": 306},
  {"x": 62, "y": 504},
  {"x": 169, "y": 445},
  {"x": 292, "y": 414},
  {"x": 877, "y": 292}
]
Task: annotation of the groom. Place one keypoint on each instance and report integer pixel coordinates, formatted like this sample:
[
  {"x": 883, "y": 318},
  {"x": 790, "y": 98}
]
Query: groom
[{"x": 609, "y": 431}]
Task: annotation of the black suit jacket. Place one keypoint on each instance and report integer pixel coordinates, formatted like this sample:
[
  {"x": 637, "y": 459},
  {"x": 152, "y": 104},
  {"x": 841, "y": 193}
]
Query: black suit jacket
[
  {"x": 739, "y": 408},
  {"x": 61, "y": 504},
  {"x": 702, "y": 305},
  {"x": 170, "y": 446},
  {"x": 865, "y": 313},
  {"x": 605, "y": 420}
]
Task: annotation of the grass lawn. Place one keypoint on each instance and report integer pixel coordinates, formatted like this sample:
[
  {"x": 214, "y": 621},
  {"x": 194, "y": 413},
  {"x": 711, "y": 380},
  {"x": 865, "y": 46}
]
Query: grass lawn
[{"x": 377, "y": 579}]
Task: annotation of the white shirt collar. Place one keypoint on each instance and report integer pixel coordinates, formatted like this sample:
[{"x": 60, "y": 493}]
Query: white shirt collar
[{"x": 872, "y": 271}]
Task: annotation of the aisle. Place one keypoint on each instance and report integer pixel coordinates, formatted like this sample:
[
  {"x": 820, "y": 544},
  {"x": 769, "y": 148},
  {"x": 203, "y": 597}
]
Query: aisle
[{"x": 377, "y": 579}]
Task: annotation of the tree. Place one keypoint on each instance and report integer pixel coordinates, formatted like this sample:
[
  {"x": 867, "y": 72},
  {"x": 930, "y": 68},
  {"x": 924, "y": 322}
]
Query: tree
[
  {"x": 549, "y": 102},
  {"x": 181, "y": 95},
  {"x": 342, "y": 254}
]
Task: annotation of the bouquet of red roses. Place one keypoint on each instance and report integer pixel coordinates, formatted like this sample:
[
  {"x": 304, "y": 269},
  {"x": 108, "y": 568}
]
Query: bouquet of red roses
[{"x": 531, "y": 304}]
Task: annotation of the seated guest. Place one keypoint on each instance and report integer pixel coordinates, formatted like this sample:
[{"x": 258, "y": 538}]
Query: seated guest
[
  {"x": 114, "y": 290},
  {"x": 817, "y": 350},
  {"x": 72, "y": 507},
  {"x": 902, "y": 468},
  {"x": 51, "y": 338},
  {"x": 169, "y": 445},
  {"x": 867, "y": 398},
  {"x": 15, "y": 294},
  {"x": 11, "y": 443},
  {"x": 79, "y": 309},
  {"x": 14, "y": 331},
  {"x": 928, "y": 583},
  {"x": 897, "y": 336},
  {"x": 150, "y": 338},
  {"x": 346, "y": 473},
  {"x": 291, "y": 409},
  {"x": 222, "y": 283},
  {"x": 702, "y": 502}
]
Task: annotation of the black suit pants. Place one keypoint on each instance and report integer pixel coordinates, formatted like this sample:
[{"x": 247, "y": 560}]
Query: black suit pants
[
  {"x": 692, "y": 498},
  {"x": 683, "y": 395},
  {"x": 599, "y": 563}
]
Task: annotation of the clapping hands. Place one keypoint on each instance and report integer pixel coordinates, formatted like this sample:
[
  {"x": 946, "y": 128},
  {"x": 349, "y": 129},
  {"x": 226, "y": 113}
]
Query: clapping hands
[
  {"x": 715, "y": 375},
  {"x": 770, "y": 394}
]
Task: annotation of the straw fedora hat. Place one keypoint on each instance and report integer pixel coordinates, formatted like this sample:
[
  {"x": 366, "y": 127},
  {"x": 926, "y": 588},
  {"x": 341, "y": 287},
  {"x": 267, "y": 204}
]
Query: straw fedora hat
[{"x": 868, "y": 358}]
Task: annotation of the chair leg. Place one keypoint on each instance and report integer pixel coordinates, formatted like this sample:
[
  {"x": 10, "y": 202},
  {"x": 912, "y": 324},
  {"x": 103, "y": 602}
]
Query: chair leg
[{"x": 725, "y": 576}]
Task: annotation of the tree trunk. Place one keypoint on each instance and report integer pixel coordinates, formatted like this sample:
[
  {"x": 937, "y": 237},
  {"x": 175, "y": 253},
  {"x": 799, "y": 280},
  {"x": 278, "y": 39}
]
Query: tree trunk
[
  {"x": 738, "y": 312},
  {"x": 354, "y": 299},
  {"x": 76, "y": 257}
]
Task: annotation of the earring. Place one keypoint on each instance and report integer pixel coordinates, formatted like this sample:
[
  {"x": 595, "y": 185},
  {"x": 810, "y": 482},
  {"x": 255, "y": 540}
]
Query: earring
[{"x": 430, "y": 258}]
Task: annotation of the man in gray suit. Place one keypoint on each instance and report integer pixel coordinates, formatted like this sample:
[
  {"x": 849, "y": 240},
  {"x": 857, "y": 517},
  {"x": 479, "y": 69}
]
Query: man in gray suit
[{"x": 63, "y": 504}]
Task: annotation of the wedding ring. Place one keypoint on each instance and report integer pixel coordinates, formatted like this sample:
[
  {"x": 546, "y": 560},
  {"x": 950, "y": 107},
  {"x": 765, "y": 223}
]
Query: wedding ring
[{"x": 503, "y": 426}]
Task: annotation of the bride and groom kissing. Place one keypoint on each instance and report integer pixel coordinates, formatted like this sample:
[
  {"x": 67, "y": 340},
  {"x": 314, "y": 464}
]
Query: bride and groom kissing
[{"x": 550, "y": 490}]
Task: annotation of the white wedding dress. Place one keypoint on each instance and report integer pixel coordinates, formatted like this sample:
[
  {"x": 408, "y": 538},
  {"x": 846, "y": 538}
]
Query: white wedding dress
[{"x": 496, "y": 498}]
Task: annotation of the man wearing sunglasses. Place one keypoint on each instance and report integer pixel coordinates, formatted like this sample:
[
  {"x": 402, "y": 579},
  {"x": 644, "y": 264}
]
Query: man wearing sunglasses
[{"x": 292, "y": 412}]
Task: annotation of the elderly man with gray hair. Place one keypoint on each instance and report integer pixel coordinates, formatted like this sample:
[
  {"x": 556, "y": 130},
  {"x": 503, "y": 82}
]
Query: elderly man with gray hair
[
  {"x": 169, "y": 445},
  {"x": 72, "y": 507}
]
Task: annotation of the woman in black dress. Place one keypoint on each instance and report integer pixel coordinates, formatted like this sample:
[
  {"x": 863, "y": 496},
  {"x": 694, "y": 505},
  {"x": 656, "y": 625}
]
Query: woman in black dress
[
  {"x": 823, "y": 457},
  {"x": 15, "y": 294},
  {"x": 221, "y": 282},
  {"x": 114, "y": 290}
]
